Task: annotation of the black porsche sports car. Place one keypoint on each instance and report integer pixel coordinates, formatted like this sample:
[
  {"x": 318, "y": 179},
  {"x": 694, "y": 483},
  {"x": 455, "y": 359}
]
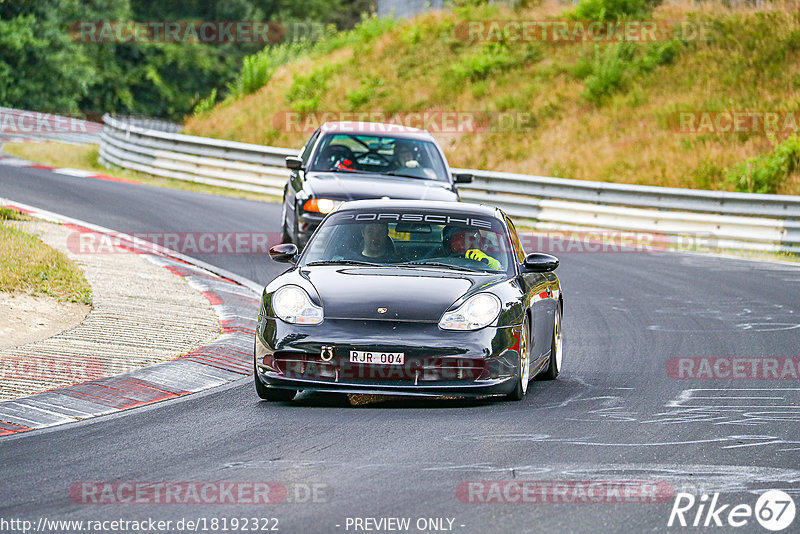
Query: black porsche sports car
[
  {"x": 345, "y": 161},
  {"x": 412, "y": 298}
]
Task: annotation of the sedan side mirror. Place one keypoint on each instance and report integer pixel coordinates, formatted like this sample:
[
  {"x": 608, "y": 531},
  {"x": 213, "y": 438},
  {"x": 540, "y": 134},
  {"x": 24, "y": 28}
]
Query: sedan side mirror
[
  {"x": 294, "y": 163},
  {"x": 284, "y": 253},
  {"x": 463, "y": 178},
  {"x": 540, "y": 263}
]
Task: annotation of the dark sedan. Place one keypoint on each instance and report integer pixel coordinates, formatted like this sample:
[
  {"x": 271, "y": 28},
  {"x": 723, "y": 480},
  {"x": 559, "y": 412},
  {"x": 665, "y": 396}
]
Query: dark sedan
[
  {"x": 413, "y": 298},
  {"x": 345, "y": 161}
]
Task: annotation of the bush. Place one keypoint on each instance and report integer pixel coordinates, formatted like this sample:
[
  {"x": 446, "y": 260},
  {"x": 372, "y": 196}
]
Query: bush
[
  {"x": 765, "y": 173},
  {"x": 258, "y": 69},
  {"x": 479, "y": 65},
  {"x": 368, "y": 89},
  {"x": 658, "y": 54},
  {"x": 607, "y": 71},
  {"x": 306, "y": 90},
  {"x": 206, "y": 104},
  {"x": 368, "y": 29},
  {"x": 610, "y": 9}
]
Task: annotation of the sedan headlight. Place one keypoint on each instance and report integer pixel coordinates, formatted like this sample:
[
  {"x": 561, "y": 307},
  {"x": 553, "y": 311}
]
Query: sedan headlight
[
  {"x": 478, "y": 311},
  {"x": 293, "y": 305},
  {"x": 320, "y": 205}
]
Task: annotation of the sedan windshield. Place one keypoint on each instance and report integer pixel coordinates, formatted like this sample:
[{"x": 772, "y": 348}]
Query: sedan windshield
[
  {"x": 352, "y": 153},
  {"x": 413, "y": 240}
]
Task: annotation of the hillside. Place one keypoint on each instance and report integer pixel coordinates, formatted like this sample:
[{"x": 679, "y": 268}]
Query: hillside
[{"x": 607, "y": 111}]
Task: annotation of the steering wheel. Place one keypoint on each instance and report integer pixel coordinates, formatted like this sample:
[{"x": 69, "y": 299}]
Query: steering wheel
[{"x": 377, "y": 154}]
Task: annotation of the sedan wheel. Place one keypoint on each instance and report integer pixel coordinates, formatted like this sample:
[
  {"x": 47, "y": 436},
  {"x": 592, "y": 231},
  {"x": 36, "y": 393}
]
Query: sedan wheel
[{"x": 285, "y": 237}]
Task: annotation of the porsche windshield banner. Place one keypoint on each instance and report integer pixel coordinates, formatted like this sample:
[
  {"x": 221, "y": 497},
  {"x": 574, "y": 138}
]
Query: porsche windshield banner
[{"x": 414, "y": 217}]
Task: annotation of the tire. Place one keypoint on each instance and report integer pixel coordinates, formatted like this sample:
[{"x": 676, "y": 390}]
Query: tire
[
  {"x": 556, "y": 349},
  {"x": 272, "y": 394},
  {"x": 285, "y": 237},
  {"x": 524, "y": 364}
]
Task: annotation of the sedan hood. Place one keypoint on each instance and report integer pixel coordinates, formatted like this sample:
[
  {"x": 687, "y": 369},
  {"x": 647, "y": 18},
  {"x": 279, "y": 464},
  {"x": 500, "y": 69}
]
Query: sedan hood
[
  {"x": 413, "y": 294},
  {"x": 340, "y": 186}
]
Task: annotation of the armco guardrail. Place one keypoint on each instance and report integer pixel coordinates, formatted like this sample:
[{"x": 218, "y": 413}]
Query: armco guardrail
[
  {"x": 719, "y": 218},
  {"x": 17, "y": 124},
  {"x": 242, "y": 166},
  {"x": 722, "y": 219}
]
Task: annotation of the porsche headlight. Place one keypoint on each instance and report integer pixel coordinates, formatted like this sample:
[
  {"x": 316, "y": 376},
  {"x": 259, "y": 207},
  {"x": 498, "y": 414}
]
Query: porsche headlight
[
  {"x": 478, "y": 311},
  {"x": 293, "y": 305}
]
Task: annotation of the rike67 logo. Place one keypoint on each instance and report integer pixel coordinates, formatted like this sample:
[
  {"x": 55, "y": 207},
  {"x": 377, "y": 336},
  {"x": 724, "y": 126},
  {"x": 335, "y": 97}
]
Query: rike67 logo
[{"x": 774, "y": 510}]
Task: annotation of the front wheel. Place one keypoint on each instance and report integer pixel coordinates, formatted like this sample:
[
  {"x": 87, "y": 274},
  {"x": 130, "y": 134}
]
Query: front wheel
[
  {"x": 524, "y": 365},
  {"x": 556, "y": 349}
]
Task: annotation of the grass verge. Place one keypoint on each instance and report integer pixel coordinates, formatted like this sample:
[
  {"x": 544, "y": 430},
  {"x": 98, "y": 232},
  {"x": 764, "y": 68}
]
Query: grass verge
[
  {"x": 84, "y": 157},
  {"x": 29, "y": 266}
]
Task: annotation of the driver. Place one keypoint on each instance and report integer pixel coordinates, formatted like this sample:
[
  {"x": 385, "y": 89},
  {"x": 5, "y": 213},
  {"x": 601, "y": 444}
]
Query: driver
[
  {"x": 378, "y": 246},
  {"x": 405, "y": 154},
  {"x": 466, "y": 242}
]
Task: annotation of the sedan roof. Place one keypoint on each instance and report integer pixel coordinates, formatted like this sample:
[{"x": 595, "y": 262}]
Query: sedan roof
[{"x": 376, "y": 129}]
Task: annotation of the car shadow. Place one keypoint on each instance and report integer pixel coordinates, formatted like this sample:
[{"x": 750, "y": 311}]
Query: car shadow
[{"x": 318, "y": 399}]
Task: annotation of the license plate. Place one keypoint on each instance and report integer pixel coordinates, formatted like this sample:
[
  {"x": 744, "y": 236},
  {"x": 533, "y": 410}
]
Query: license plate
[{"x": 377, "y": 358}]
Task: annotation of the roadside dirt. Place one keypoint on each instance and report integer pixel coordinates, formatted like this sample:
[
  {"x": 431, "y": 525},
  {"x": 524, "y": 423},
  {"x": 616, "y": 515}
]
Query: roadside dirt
[{"x": 26, "y": 319}]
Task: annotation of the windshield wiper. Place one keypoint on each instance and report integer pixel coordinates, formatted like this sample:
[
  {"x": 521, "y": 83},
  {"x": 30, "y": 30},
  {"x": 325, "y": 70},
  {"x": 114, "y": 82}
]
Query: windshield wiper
[
  {"x": 344, "y": 262},
  {"x": 440, "y": 264},
  {"x": 341, "y": 170},
  {"x": 394, "y": 173}
]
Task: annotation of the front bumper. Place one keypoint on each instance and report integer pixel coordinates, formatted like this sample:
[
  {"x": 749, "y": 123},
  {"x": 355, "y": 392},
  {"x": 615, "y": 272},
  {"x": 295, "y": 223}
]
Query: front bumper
[{"x": 437, "y": 362}]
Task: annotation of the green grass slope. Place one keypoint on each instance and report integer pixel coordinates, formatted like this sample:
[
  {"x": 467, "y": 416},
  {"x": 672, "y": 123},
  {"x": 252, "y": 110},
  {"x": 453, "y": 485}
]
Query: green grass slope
[{"x": 584, "y": 110}]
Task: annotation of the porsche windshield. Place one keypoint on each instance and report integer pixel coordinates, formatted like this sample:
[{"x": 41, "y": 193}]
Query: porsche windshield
[
  {"x": 411, "y": 158},
  {"x": 439, "y": 240}
]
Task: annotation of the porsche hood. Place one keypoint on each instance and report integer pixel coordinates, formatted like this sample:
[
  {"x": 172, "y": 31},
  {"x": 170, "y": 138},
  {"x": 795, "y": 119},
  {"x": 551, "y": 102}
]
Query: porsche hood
[{"x": 402, "y": 294}]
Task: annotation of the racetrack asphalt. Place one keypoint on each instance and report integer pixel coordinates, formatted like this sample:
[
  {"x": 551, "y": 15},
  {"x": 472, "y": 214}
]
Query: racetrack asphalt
[{"x": 614, "y": 415}]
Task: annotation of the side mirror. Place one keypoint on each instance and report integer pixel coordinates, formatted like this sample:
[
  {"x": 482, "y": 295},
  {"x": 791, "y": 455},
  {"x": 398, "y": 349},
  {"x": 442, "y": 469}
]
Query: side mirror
[
  {"x": 540, "y": 263},
  {"x": 284, "y": 253},
  {"x": 463, "y": 178},
  {"x": 294, "y": 163}
]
